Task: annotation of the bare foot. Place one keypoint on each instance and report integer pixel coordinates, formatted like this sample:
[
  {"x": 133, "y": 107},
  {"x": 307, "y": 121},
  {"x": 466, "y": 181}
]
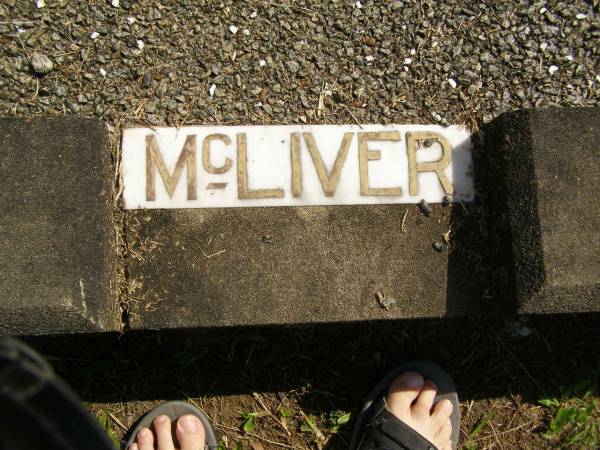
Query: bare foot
[
  {"x": 189, "y": 431},
  {"x": 410, "y": 399}
]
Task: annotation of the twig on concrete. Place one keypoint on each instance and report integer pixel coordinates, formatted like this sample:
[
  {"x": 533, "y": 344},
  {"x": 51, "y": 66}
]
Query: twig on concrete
[
  {"x": 402, "y": 227},
  {"x": 212, "y": 255}
]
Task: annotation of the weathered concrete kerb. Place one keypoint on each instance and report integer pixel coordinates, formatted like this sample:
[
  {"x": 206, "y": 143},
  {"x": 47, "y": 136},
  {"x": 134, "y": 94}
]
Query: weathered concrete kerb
[
  {"x": 547, "y": 164},
  {"x": 294, "y": 265},
  {"x": 56, "y": 261}
]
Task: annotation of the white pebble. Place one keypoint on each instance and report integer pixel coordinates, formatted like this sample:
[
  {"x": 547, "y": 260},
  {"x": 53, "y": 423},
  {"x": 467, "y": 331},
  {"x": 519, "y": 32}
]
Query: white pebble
[
  {"x": 413, "y": 52},
  {"x": 358, "y": 4},
  {"x": 234, "y": 55},
  {"x": 403, "y": 27},
  {"x": 262, "y": 63},
  {"x": 131, "y": 20},
  {"x": 580, "y": 16},
  {"x": 140, "y": 44},
  {"x": 407, "y": 61},
  {"x": 369, "y": 58},
  {"x": 246, "y": 32},
  {"x": 598, "y": 78},
  {"x": 233, "y": 29},
  {"x": 94, "y": 35},
  {"x": 115, "y": 3},
  {"x": 102, "y": 72},
  {"x": 543, "y": 46},
  {"x": 543, "y": 10},
  {"x": 253, "y": 14},
  {"x": 40, "y": 3},
  {"x": 552, "y": 69},
  {"x": 21, "y": 30},
  {"x": 436, "y": 116},
  {"x": 212, "y": 89},
  {"x": 452, "y": 83},
  {"x": 569, "y": 57}
]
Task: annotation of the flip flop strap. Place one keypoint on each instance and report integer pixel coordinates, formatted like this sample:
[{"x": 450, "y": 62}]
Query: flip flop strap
[{"x": 386, "y": 432}]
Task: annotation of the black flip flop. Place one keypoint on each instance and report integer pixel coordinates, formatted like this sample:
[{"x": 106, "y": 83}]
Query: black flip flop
[
  {"x": 174, "y": 410},
  {"x": 376, "y": 418}
]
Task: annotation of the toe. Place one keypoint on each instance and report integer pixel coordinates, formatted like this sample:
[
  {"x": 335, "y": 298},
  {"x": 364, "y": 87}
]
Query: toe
[
  {"x": 164, "y": 437},
  {"x": 145, "y": 439},
  {"x": 441, "y": 412},
  {"x": 443, "y": 435},
  {"x": 403, "y": 391},
  {"x": 424, "y": 402},
  {"x": 190, "y": 433}
]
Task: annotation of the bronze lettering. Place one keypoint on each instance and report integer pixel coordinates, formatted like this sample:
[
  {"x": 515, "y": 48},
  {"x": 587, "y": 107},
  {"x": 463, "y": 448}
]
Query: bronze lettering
[
  {"x": 412, "y": 139},
  {"x": 242, "y": 162},
  {"x": 365, "y": 155},
  {"x": 187, "y": 159},
  {"x": 206, "y": 154},
  {"x": 329, "y": 181}
]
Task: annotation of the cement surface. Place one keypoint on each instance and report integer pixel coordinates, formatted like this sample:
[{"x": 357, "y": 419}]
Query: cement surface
[
  {"x": 56, "y": 261},
  {"x": 287, "y": 265}
]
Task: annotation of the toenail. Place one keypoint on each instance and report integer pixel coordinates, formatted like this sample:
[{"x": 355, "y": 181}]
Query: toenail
[
  {"x": 189, "y": 424},
  {"x": 161, "y": 419},
  {"x": 412, "y": 379}
]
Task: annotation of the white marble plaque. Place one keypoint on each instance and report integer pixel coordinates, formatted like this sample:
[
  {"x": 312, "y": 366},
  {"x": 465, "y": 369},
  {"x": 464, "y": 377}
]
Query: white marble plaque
[{"x": 295, "y": 165}]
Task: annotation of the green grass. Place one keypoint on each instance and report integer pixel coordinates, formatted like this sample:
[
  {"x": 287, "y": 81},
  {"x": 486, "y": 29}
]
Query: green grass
[{"x": 574, "y": 417}]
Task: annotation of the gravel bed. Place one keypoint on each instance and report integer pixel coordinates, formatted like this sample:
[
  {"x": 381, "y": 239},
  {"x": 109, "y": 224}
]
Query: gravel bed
[{"x": 197, "y": 61}]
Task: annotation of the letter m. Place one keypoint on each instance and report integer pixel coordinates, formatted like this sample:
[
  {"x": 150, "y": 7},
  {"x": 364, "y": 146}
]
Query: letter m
[{"x": 187, "y": 158}]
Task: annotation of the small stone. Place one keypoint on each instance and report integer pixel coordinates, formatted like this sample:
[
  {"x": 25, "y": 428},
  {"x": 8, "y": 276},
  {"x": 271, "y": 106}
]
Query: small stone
[
  {"x": 452, "y": 83},
  {"x": 262, "y": 63},
  {"x": 246, "y": 32},
  {"x": 293, "y": 66},
  {"x": 94, "y": 34},
  {"x": 131, "y": 20},
  {"x": 407, "y": 61},
  {"x": 358, "y": 4},
  {"x": 413, "y": 52},
  {"x": 40, "y": 3},
  {"x": 102, "y": 72},
  {"x": 552, "y": 69},
  {"x": 438, "y": 246},
  {"x": 580, "y": 16},
  {"x": 543, "y": 10},
  {"x": 212, "y": 90},
  {"x": 436, "y": 117},
  {"x": 216, "y": 68},
  {"x": 267, "y": 239},
  {"x": 425, "y": 208},
  {"x": 147, "y": 79},
  {"x": 253, "y": 14},
  {"x": 233, "y": 29},
  {"x": 140, "y": 44},
  {"x": 369, "y": 58},
  {"x": 41, "y": 64},
  {"x": 384, "y": 301},
  {"x": 543, "y": 46},
  {"x": 114, "y": 3}
]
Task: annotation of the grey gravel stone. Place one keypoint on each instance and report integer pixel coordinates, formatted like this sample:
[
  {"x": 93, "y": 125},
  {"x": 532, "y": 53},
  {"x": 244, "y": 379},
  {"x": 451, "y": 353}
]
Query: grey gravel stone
[
  {"x": 424, "y": 208},
  {"x": 491, "y": 52},
  {"x": 41, "y": 64}
]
